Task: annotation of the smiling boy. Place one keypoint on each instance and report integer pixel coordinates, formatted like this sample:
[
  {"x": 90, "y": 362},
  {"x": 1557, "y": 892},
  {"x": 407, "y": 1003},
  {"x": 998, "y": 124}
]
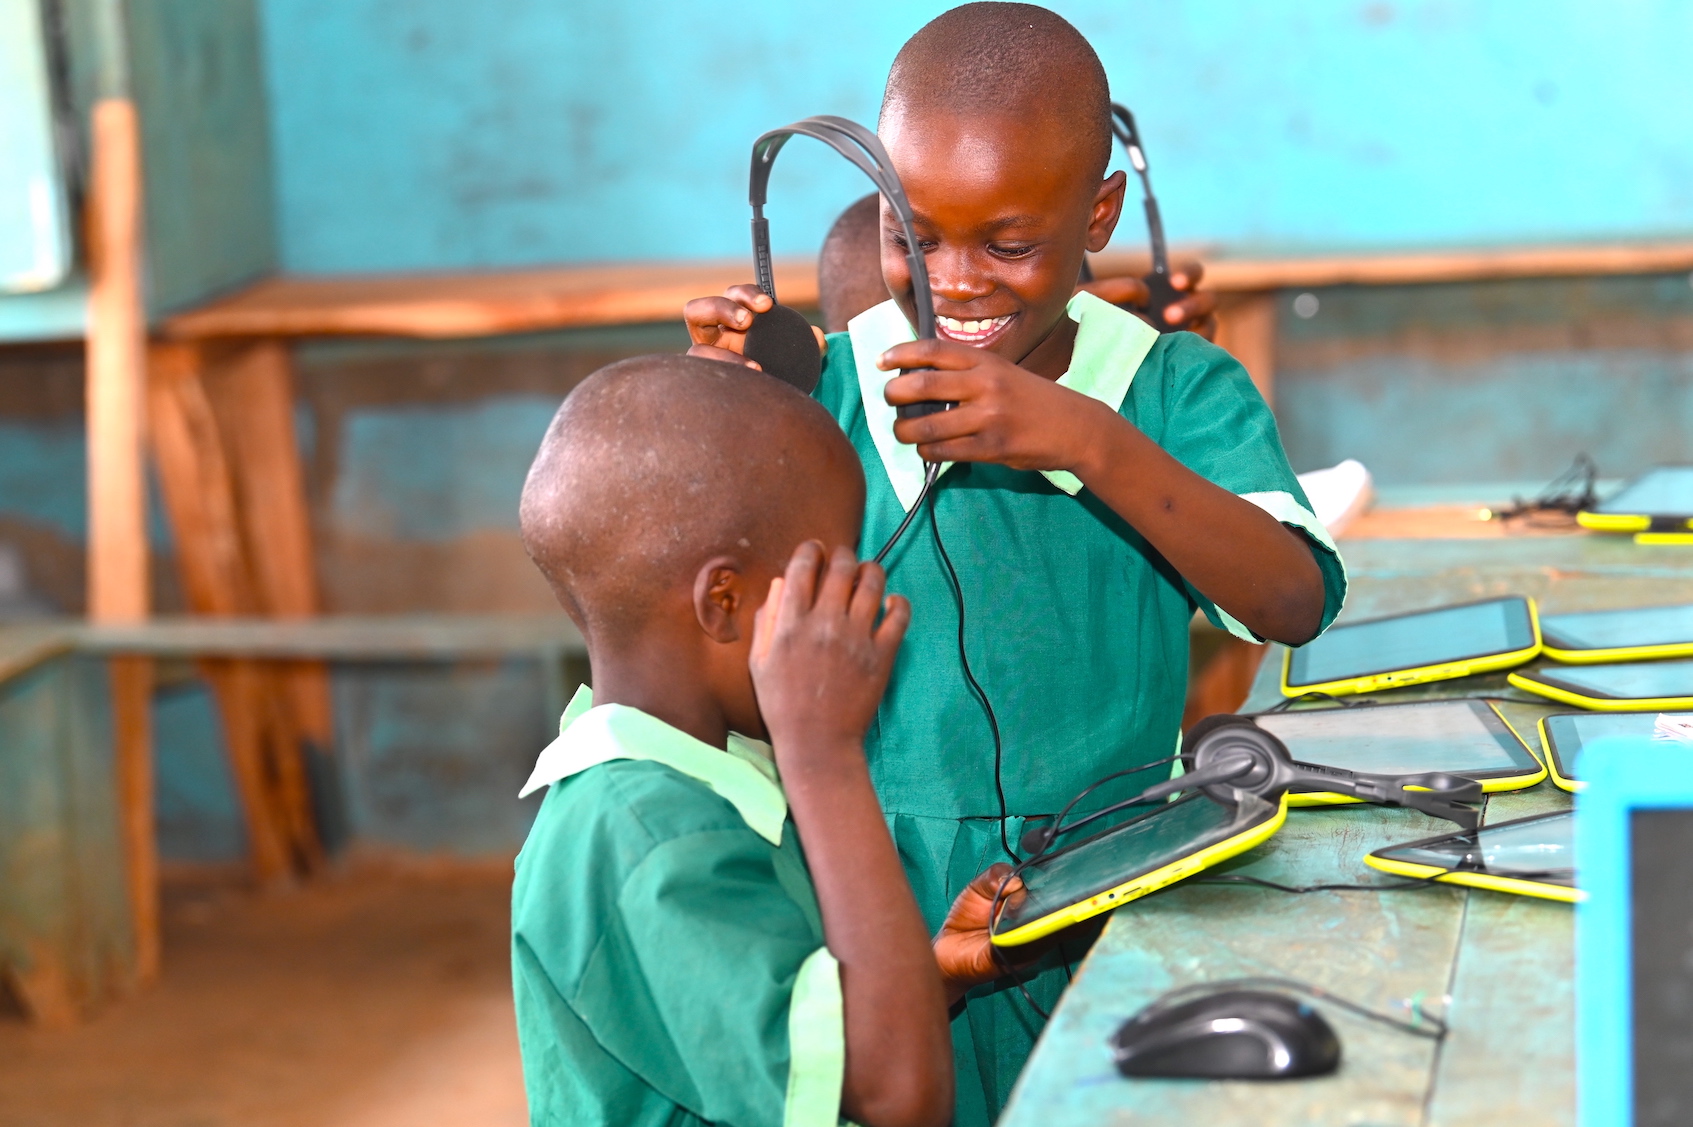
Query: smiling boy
[{"x": 1104, "y": 482}]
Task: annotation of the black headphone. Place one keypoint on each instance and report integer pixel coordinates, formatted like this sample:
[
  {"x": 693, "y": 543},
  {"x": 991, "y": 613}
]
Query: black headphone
[
  {"x": 1160, "y": 293},
  {"x": 1227, "y": 754},
  {"x": 780, "y": 338}
]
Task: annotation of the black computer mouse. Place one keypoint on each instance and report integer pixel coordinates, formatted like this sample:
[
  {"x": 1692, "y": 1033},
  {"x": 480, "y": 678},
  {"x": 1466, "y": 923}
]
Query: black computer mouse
[{"x": 1229, "y": 1035}]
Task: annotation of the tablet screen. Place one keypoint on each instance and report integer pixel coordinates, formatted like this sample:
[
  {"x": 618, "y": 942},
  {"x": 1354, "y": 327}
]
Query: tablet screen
[
  {"x": 1614, "y": 629},
  {"x": 1411, "y": 641},
  {"x": 1629, "y": 680},
  {"x": 1540, "y": 848},
  {"x": 1665, "y": 491},
  {"x": 1461, "y": 736},
  {"x": 1568, "y": 733},
  {"x": 1121, "y": 854}
]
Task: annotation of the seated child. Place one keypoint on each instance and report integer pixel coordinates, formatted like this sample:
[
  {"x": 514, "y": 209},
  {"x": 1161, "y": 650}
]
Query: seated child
[
  {"x": 677, "y": 957},
  {"x": 1101, "y": 482}
]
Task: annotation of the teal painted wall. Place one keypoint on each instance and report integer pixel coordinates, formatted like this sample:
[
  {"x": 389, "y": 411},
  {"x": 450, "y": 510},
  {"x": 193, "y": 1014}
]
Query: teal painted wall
[{"x": 423, "y": 134}]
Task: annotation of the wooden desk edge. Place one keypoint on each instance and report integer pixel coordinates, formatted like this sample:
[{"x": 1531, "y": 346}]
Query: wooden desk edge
[
  {"x": 331, "y": 638},
  {"x": 467, "y": 305}
]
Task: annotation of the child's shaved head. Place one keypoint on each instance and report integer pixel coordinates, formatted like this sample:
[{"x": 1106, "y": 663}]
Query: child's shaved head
[
  {"x": 654, "y": 466},
  {"x": 1016, "y": 60}
]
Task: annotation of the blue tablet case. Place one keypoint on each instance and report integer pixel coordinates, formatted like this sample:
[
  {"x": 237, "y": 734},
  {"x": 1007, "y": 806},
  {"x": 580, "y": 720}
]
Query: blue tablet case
[{"x": 1634, "y": 934}]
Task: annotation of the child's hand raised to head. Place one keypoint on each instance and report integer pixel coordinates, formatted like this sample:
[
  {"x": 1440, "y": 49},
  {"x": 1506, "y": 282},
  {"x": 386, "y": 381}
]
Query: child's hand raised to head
[
  {"x": 1196, "y": 312},
  {"x": 1005, "y": 413},
  {"x": 718, "y": 325},
  {"x": 820, "y": 660}
]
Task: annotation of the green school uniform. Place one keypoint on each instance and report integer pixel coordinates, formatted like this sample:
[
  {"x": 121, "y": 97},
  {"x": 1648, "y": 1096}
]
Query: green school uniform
[
  {"x": 1075, "y": 627},
  {"x": 667, "y": 952}
]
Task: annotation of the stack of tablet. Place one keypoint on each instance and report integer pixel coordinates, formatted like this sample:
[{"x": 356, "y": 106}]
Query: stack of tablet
[
  {"x": 1657, "y": 507},
  {"x": 1617, "y": 660}
]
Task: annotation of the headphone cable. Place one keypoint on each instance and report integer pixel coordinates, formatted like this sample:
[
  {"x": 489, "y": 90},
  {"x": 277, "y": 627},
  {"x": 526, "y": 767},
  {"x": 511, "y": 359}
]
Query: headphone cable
[{"x": 976, "y": 688}]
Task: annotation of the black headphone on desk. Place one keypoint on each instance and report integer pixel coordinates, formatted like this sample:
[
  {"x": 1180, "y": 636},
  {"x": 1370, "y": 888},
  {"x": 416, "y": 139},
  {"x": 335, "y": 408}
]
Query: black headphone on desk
[
  {"x": 780, "y": 338},
  {"x": 1226, "y": 754}
]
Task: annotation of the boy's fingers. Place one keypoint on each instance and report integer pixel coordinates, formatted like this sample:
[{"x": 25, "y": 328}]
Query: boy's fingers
[
  {"x": 890, "y": 632},
  {"x": 947, "y": 354},
  {"x": 913, "y": 387},
  {"x": 1186, "y": 275},
  {"x": 727, "y": 355},
  {"x": 1118, "y": 291},
  {"x": 750, "y": 297},
  {"x": 764, "y": 622},
  {"x": 801, "y": 583},
  {"x": 942, "y": 426},
  {"x": 867, "y": 590},
  {"x": 708, "y": 316},
  {"x": 838, "y": 576},
  {"x": 1194, "y": 307}
]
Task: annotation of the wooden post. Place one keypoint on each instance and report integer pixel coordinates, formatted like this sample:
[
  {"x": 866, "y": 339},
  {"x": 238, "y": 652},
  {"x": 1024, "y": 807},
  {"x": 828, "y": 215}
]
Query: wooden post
[
  {"x": 1246, "y": 327},
  {"x": 117, "y": 494}
]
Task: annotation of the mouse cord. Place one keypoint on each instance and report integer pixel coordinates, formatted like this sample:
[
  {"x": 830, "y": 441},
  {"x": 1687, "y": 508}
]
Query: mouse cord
[
  {"x": 976, "y": 688},
  {"x": 1421, "y": 1024}
]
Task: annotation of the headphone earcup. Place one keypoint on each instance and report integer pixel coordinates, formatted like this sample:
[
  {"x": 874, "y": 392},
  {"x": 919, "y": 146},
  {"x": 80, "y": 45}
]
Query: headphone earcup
[
  {"x": 1219, "y": 738},
  {"x": 1202, "y": 728},
  {"x": 781, "y": 341}
]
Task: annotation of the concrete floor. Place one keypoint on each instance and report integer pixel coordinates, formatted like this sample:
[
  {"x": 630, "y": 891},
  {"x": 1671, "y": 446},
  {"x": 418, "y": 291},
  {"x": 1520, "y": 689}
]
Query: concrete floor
[{"x": 369, "y": 999}]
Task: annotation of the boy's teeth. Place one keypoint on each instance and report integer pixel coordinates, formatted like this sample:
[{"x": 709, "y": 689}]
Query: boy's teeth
[{"x": 972, "y": 328}]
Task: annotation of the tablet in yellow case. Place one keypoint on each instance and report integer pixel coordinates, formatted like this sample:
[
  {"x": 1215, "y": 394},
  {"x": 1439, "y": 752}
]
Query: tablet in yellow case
[
  {"x": 1564, "y": 734},
  {"x": 1467, "y": 737},
  {"x": 1412, "y": 649},
  {"x": 1533, "y": 856},
  {"x": 1603, "y": 636},
  {"x": 1658, "y": 501},
  {"x": 1633, "y": 686},
  {"x": 1130, "y": 860}
]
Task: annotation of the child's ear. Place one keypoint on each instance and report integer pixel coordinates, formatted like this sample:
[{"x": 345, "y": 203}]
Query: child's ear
[
  {"x": 720, "y": 593},
  {"x": 1107, "y": 209}
]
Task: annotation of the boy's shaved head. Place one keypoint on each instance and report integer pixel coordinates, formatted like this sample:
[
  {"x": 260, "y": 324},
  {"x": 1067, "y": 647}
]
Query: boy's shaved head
[
  {"x": 655, "y": 465},
  {"x": 1016, "y": 60},
  {"x": 849, "y": 271}
]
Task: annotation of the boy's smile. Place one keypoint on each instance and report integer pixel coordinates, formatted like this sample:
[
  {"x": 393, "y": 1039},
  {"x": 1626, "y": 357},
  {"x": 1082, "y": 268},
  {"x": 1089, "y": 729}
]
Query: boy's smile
[{"x": 1005, "y": 208}]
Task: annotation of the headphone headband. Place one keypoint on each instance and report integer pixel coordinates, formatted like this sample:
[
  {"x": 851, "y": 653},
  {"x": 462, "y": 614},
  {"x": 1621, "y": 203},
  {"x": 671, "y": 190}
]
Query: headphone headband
[{"x": 864, "y": 149}]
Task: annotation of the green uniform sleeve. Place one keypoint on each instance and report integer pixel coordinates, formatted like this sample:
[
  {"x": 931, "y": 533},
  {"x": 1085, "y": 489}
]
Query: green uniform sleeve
[
  {"x": 711, "y": 985},
  {"x": 1216, "y": 424}
]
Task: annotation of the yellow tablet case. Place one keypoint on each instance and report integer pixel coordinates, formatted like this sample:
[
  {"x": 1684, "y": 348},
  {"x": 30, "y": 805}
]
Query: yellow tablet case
[
  {"x": 1475, "y": 880},
  {"x": 1147, "y": 883},
  {"x": 1558, "y": 780},
  {"x": 1422, "y": 675},
  {"x": 1598, "y": 704},
  {"x": 1618, "y": 653},
  {"x": 1633, "y": 522},
  {"x": 1489, "y": 786}
]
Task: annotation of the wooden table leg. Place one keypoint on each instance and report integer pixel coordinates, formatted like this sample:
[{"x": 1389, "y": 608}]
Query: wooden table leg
[
  {"x": 1246, "y": 327},
  {"x": 117, "y": 493},
  {"x": 251, "y": 388},
  {"x": 201, "y": 497}
]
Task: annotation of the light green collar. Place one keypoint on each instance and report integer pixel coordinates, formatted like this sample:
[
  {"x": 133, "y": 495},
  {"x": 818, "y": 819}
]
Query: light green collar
[
  {"x": 1110, "y": 345},
  {"x": 744, "y": 775}
]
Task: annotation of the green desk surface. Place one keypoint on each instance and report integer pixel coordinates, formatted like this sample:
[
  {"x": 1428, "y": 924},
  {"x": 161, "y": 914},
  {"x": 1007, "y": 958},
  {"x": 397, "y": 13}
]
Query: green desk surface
[{"x": 1501, "y": 966}]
